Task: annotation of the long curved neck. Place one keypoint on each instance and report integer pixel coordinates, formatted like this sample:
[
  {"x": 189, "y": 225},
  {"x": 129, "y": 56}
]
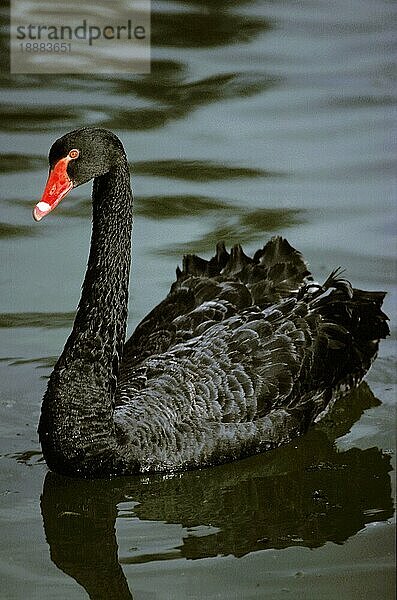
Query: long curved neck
[
  {"x": 76, "y": 422},
  {"x": 99, "y": 329}
]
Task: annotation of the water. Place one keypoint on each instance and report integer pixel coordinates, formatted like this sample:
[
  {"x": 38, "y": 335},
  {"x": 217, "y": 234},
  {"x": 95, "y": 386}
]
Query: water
[{"x": 258, "y": 118}]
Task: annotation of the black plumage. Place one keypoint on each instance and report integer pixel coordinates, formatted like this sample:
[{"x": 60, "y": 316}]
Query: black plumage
[{"x": 241, "y": 356}]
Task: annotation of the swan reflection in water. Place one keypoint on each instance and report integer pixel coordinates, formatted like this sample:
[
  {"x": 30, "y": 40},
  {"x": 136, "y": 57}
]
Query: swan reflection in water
[{"x": 303, "y": 494}]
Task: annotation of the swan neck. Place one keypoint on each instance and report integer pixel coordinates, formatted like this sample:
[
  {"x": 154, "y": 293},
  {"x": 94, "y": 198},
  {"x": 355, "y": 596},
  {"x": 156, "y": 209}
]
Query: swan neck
[{"x": 101, "y": 319}]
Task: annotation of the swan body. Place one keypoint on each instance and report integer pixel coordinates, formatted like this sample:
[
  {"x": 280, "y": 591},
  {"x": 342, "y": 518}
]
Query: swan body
[{"x": 241, "y": 356}]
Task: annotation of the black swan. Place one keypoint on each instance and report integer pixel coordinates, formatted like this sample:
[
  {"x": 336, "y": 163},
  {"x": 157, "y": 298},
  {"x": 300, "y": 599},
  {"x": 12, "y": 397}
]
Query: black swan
[{"x": 241, "y": 356}]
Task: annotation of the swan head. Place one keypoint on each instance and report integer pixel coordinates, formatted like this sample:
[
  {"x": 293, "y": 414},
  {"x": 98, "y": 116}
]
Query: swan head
[{"x": 76, "y": 158}]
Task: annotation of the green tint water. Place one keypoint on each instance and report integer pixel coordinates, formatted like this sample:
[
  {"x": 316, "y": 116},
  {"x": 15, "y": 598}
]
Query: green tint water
[{"x": 257, "y": 118}]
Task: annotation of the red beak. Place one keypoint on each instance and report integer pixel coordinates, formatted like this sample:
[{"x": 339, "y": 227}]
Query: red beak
[{"x": 57, "y": 186}]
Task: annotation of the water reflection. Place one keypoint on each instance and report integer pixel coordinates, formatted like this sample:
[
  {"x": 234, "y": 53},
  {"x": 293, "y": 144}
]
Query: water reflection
[
  {"x": 10, "y": 230},
  {"x": 180, "y": 98},
  {"x": 206, "y": 25},
  {"x": 304, "y": 494},
  {"x": 45, "y": 320},
  {"x": 39, "y": 118},
  {"x": 11, "y": 162},
  {"x": 197, "y": 170},
  {"x": 170, "y": 91},
  {"x": 239, "y": 226},
  {"x": 167, "y": 92}
]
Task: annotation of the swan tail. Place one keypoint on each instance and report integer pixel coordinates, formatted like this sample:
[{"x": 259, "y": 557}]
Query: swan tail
[{"x": 352, "y": 325}]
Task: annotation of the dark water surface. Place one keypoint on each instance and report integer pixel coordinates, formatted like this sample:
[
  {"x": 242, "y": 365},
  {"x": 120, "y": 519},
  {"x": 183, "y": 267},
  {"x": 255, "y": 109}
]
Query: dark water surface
[{"x": 258, "y": 118}]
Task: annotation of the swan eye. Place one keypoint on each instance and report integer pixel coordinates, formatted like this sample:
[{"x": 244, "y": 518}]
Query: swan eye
[{"x": 74, "y": 153}]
